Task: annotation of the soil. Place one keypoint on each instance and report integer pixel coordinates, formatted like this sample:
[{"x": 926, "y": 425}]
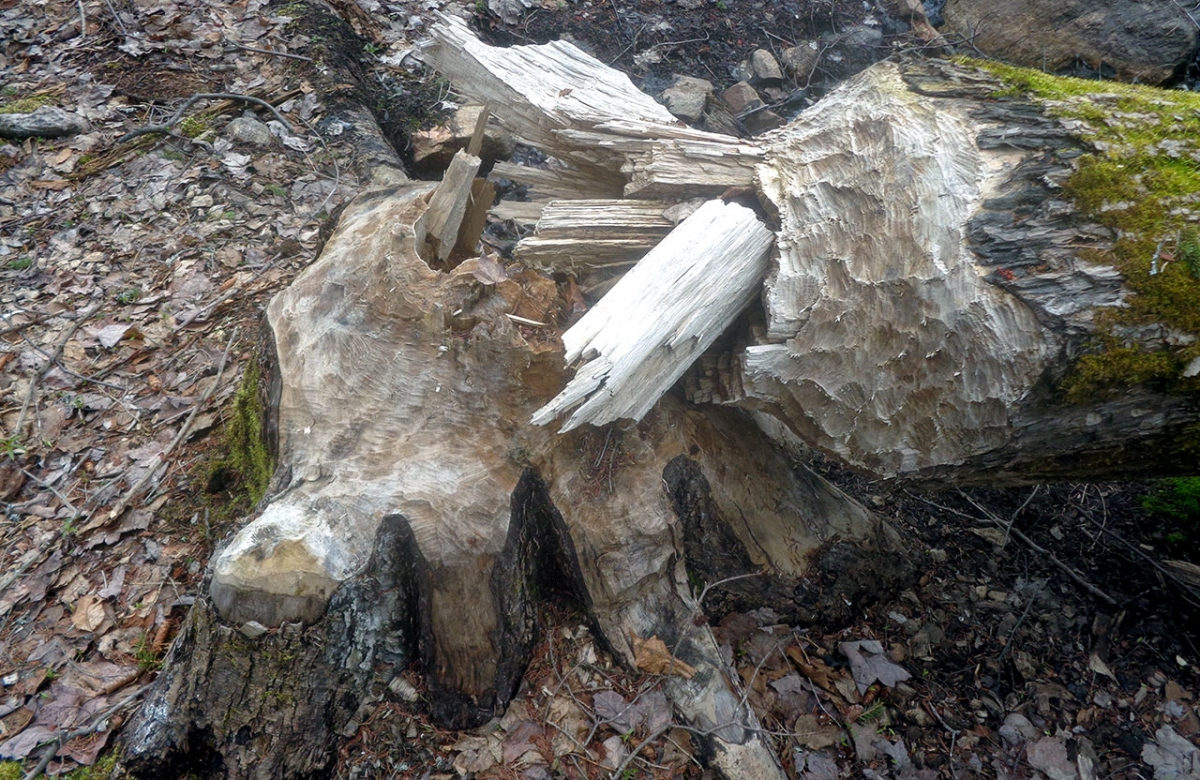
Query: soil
[{"x": 164, "y": 252}]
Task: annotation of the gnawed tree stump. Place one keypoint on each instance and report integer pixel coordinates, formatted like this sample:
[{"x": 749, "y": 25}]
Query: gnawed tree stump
[
  {"x": 930, "y": 289},
  {"x": 417, "y": 512}
]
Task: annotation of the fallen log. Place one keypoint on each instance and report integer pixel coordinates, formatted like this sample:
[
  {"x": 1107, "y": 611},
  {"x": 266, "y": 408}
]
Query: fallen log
[{"x": 962, "y": 296}]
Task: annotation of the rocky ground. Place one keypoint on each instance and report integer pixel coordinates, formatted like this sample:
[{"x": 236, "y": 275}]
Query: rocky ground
[{"x": 1043, "y": 636}]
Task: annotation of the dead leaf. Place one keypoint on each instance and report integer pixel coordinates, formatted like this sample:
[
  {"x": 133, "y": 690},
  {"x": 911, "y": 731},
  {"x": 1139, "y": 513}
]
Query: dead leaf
[
  {"x": 1097, "y": 665},
  {"x": 1172, "y": 756},
  {"x": 812, "y": 733},
  {"x": 816, "y": 670},
  {"x": 110, "y": 335},
  {"x": 489, "y": 270},
  {"x": 19, "y": 747},
  {"x": 89, "y": 613},
  {"x": 868, "y": 663},
  {"x": 1049, "y": 755},
  {"x": 614, "y": 753},
  {"x": 84, "y": 750},
  {"x": 50, "y": 184},
  {"x": 651, "y": 655},
  {"x": 614, "y": 710},
  {"x": 14, "y": 722}
]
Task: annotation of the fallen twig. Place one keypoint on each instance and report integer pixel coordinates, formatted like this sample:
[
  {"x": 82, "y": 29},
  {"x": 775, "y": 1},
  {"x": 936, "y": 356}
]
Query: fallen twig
[
  {"x": 42, "y": 317},
  {"x": 289, "y": 55},
  {"x": 41, "y": 372},
  {"x": 165, "y": 127},
  {"x": 161, "y": 458},
  {"x": 205, "y": 310}
]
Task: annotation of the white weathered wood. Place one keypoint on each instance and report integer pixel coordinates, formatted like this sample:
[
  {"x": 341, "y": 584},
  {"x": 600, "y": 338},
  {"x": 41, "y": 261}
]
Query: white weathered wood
[
  {"x": 641, "y": 337},
  {"x": 576, "y": 108},
  {"x": 524, "y": 212},
  {"x": 561, "y": 182},
  {"x": 536, "y": 90},
  {"x": 575, "y": 234},
  {"x": 686, "y": 168}
]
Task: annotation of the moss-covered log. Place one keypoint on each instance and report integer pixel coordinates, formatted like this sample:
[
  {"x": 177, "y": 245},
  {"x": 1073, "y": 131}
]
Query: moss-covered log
[{"x": 985, "y": 274}]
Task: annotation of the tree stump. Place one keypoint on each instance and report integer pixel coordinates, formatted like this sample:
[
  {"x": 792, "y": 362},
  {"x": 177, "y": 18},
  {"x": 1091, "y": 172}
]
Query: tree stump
[{"x": 418, "y": 513}]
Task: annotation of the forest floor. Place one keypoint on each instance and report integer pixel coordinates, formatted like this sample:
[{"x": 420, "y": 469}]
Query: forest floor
[{"x": 1042, "y": 637}]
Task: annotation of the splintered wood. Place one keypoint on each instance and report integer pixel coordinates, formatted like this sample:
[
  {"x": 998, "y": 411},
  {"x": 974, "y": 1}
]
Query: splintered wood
[
  {"x": 642, "y": 336},
  {"x": 576, "y": 234},
  {"x": 614, "y": 137}
]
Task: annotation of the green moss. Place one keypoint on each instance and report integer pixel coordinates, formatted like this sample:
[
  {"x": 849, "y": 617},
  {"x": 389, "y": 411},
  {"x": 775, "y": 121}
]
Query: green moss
[
  {"x": 11, "y": 770},
  {"x": 1176, "y": 502},
  {"x": 1142, "y": 179},
  {"x": 26, "y": 105},
  {"x": 195, "y": 126},
  {"x": 247, "y": 452}
]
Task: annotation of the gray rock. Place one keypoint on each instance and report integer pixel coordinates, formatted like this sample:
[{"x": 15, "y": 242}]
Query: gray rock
[
  {"x": 1017, "y": 729},
  {"x": 44, "y": 122},
  {"x": 761, "y": 121},
  {"x": 765, "y": 67},
  {"x": 247, "y": 130},
  {"x": 742, "y": 97},
  {"x": 1133, "y": 40},
  {"x": 687, "y": 97},
  {"x": 800, "y": 61}
]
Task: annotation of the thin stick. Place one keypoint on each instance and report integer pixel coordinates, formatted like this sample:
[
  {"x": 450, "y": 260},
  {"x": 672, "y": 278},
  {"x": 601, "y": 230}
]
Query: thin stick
[
  {"x": 1013, "y": 634},
  {"x": 52, "y": 489},
  {"x": 82, "y": 22},
  {"x": 41, "y": 372},
  {"x": 274, "y": 53},
  {"x": 165, "y": 127},
  {"x": 205, "y": 310},
  {"x": 161, "y": 458},
  {"x": 633, "y": 754}
]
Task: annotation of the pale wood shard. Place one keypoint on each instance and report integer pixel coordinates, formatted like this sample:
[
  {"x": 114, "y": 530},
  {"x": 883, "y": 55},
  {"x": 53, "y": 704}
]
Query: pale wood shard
[
  {"x": 537, "y": 90},
  {"x": 641, "y": 336},
  {"x": 522, "y": 212},
  {"x": 560, "y": 182},
  {"x": 687, "y": 168},
  {"x": 577, "y": 234},
  {"x": 448, "y": 204}
]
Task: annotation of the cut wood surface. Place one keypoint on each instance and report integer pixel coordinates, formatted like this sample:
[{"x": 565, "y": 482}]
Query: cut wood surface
[{"x": 654, "y": 323}]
